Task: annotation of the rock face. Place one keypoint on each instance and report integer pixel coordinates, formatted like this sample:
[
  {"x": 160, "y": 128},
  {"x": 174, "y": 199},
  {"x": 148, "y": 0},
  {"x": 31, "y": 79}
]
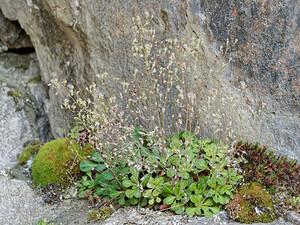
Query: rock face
[
  {"x": 22, "y": 118},
  {"x": 12, "y": 35},
  {"x": 74, "y": 40}
]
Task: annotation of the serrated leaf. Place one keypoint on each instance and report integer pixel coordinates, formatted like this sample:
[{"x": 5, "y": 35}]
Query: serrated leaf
[
  {"x": 174, "y": 160},
  {"x": 169, "y": 200},
  {"x": 198, "y": 211},
  {"x": 127, "y": 183}
]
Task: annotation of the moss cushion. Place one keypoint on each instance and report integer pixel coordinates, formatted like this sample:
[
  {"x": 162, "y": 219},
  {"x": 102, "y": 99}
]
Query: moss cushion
[{"x": 58, "y": 162}]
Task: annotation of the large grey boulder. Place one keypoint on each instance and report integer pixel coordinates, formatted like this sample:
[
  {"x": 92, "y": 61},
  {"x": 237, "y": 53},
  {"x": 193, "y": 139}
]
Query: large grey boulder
[{"x": 74, "y": 40}]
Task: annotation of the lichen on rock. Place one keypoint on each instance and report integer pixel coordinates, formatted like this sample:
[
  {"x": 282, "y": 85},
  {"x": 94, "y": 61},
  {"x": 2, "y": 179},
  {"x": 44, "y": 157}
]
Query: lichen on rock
[
  {"x": 58, "y": 162},
  {"x": 252, "y": 204}
]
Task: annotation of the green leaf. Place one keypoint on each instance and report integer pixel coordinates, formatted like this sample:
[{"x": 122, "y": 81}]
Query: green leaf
[
  {"x": 158, "y": 199},
  {"x": 222, "y": 200},
  {"x": 212, "y": 180},
  {"x": 168, "y": 189},
  {"x": 185, "y": 200},
  {"x": 147, "y": 193},
  {"x": 202, "y": 164},
  {"x": 215, "y": 210},
  {"x": 144, "y": 202},
  {"x": 145, "y": 180},
  {"x": 115, "y": 194},
  {"x": 135, "y": 175},
  {"x": 100, "y": 167},
  {"x": 151, "y": 201},
  {"x": 122, "y": 201},
  {"x": 133, "y": 201},
  {"x": 137, "y": 194},
  {"x": 197, "y": 199},
  {"x": 129, "y": 193},
  {"x": 191, "y": 211},
  {"x": 151, "y": 183},
  {"x": 209, "y": 202},
  {"x": 216, "y": 199},
  {"x": 126, "y": 170},
  {"x": 96, "y": 157},
  {"x": 184, "y": 175},
  {"x": 157, "y": 192},
  {"x": 160, "y": 181},
  {"x": 193, "y": 187},
  {"x": 86, "y": 166},
  {"x": 171, "y": 172},
  {"x": 174, "y": 160},
  {"x": 86, "y": 182},
  {"x": 207, "y": 212},
  {"x": 108, "y": 175},
  {"x": 169, "y": 200},
  {"x": 180, "y": 209},
  {"x": 127, "y": 183},
  {"x": 221, "y": 180}
]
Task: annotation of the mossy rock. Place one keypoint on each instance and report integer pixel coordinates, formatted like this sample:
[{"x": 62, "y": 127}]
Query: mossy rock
[
  {"x": 29, "y": 151},
  {"x": 58, "y": 162},
  {"x": 252, "y": 204}
]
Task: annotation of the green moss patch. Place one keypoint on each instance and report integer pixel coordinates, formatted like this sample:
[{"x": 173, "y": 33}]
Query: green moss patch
[
  {"x": 252, "y": 204},
  {"x": 58, "y": 162},
  {"x": 29, "y": 151},
  {"x": 102, "y": 214},
  {"x": 17, "y": 93},
  {"x": 35, "y": 79}
]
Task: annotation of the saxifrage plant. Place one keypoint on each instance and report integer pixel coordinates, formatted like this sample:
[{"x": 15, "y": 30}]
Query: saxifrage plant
[
  {"x": 200, "y": 184},
  {"x": 145, "y": 131}
]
